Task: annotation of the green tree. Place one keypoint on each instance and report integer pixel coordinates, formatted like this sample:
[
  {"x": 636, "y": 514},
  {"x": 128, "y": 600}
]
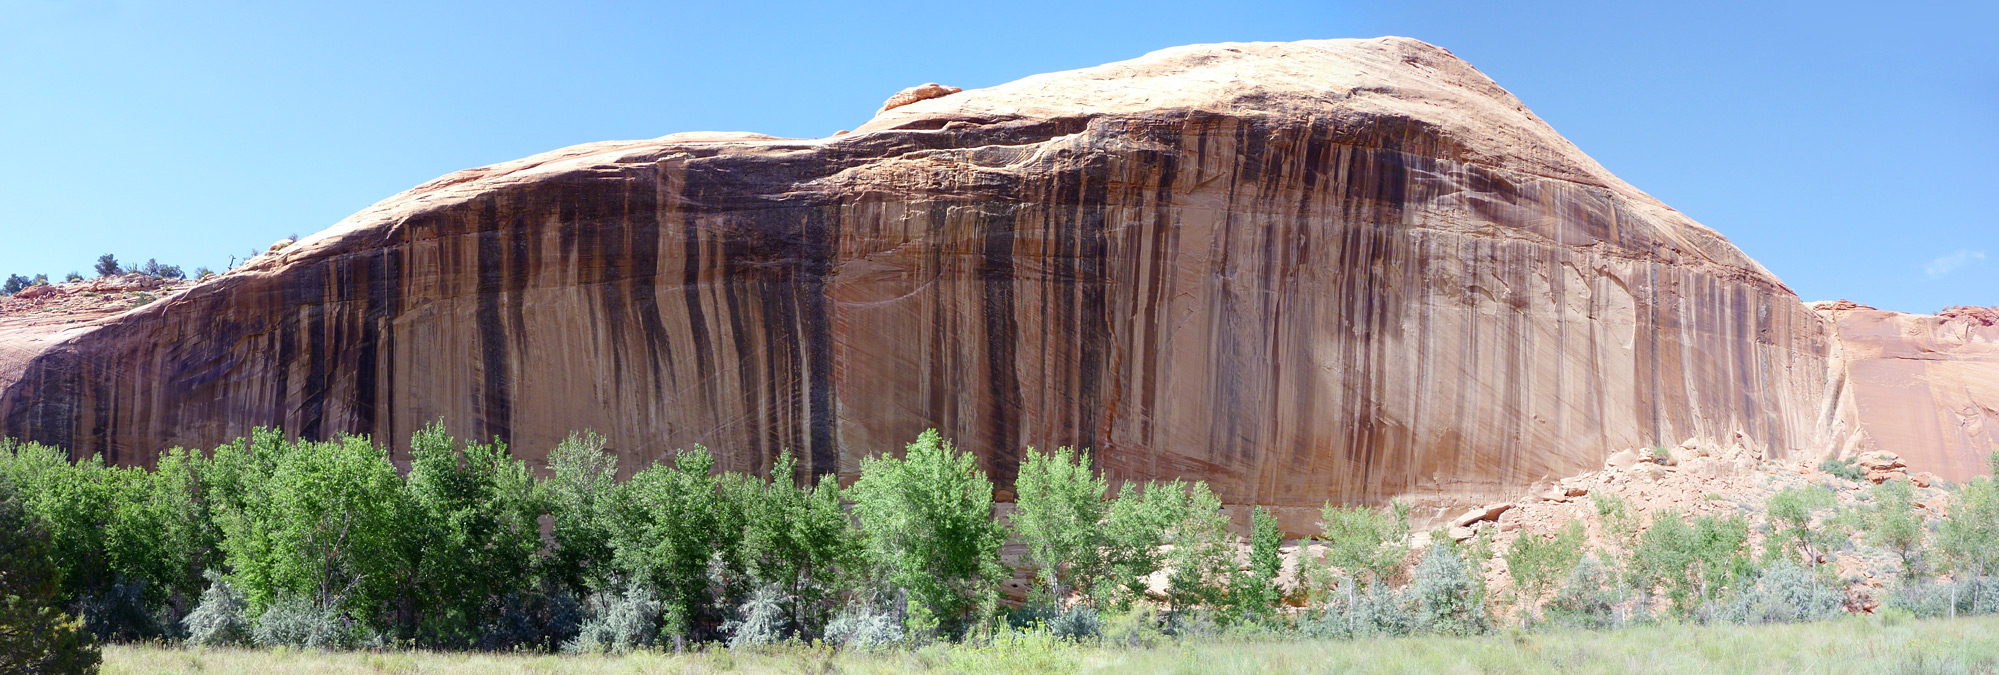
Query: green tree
[
  {"x": 1256, "y": 594},
  {"x": 1203, "y": 559},
  {"x": 800, "y": 542},
  {"x": 1967, "y": 539},
  {"x": 581, "y": 492},
  {"x": 1696, "y": 564},
  {"x": 35, "y": 635},
  {"x": 1798, "y": 531},
  {"x": 928, "y": 521},
  {"x": 672, "y": 522},
  {"x": 470, "y": 535},
  {"x": 1894, "y": 524},
  {"x": 1058, "y": 515},
  {"x": 318, "y": 522},
  {"x": 1538, "y": 564},
  {"x": 1362, "y": 545},
  {"x": 1135, "y": 527},
  {"x": 15, "y": 283},
  {"x": 107, "y": 265}
]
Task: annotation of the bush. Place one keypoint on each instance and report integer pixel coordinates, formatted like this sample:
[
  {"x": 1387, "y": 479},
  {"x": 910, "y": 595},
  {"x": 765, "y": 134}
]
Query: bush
[
  {"x": 108, "y": 266},
  {"x": 1784, "y": 593},
  {"x": 1375, "y": 611},
  {"x": 672, "y": 524},
  {"x": 866, "y": 627},
  {"x": 929, "y": 528},
  {"x": 801, "y": 541},
  {"x": 1847, "y": 469},
  {"x": 304, "y": 623},
  {"x": 1968, "y": 536},
  {"x": 533, "y": 620},
  {"x": 1363, "y": 545},
  {"x": 1592, "y": 598},
  {"x": 762, "y": 621},
  {"x": 618, "y": 623},
  {"x": 1203, "y": 560},
  {"x": 121, "y": 614},
  {"x": 1695, "y": 564},
  {"x": 222, "y": 618},
  {"x": 1959, "y": 597},
  {"x": 1894, "y": 524},
  {"x": 1078, "y": 623},
  {"x": 14, "y": 284},
  {"x": 36, "y": 636},
  {"x": 1537, "y": 564},
  {"x": 1446, "y": 594}
]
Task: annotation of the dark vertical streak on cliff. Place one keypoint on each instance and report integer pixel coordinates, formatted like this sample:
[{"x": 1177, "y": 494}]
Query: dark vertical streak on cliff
[
  {"x": 996, "y": 275},
  {"x": 821, "y": 239},
  {"x": 494, "y": 399}
]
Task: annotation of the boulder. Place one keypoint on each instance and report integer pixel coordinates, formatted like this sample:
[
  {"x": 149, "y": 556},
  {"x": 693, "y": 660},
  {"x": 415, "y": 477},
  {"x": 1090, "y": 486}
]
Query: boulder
[
  {"x": 1488, "y": 512},
  {"x": 1622, "y": 459},
  {"x": 921, "y": 92}
]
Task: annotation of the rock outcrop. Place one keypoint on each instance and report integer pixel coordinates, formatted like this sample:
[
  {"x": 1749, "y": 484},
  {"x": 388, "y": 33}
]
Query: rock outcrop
[
  {"x": 1343, "y": 269},
  {"x": 1925, "y": 388}
]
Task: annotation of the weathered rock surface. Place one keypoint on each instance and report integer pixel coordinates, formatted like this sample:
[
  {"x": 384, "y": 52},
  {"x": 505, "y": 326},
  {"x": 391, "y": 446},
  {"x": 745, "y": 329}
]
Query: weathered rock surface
[
  {"x": 1343, "y": 269},
  {"x": 1925, "y": 388}
]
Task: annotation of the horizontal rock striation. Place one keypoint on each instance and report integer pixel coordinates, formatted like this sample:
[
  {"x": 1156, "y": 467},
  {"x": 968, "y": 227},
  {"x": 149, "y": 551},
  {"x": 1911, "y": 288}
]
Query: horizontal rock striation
[{"x": 1344, "y": 270}]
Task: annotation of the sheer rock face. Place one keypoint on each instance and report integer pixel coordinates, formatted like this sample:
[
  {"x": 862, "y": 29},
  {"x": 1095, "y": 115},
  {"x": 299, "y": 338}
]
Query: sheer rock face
[
  {"x": 1923, "y": 387},
  {"x": 1340, "y": 270}
]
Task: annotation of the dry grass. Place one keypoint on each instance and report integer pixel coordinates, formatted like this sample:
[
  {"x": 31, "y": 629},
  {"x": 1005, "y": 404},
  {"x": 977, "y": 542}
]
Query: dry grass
[{"x": 1851, "y": 645}]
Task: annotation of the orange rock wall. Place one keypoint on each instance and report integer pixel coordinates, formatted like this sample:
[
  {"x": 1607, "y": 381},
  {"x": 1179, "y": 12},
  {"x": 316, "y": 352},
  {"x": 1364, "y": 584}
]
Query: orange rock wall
[{"x": 1293, "y": 309}]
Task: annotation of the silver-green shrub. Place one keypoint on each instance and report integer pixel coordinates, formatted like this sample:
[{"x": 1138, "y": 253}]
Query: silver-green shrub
[{"x": 223, "y": 616}]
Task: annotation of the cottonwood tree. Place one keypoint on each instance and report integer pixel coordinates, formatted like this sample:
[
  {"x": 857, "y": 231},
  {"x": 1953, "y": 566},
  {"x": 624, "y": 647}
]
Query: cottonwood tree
[{"x": 927, "y": 517}]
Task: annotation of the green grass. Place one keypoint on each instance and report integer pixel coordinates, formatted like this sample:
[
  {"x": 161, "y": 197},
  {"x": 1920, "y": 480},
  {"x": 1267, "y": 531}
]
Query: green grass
[{"x": 1850, "y": 645}]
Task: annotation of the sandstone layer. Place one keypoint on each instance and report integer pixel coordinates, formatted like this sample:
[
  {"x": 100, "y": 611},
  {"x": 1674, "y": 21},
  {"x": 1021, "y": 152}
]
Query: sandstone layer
[
  {"x": 1923, "y": 387},
  {"x": 1344, "y": 269}
]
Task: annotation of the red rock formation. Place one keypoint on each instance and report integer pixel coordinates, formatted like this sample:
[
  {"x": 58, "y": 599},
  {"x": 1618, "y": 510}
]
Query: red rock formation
[
  {"x": 1339, "y": 269},
  {"x": 1923, "y": 387}
]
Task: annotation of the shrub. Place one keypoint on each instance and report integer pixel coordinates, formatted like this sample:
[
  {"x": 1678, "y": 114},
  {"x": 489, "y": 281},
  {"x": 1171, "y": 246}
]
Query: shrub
[
  {"x": 1792, "y": 512},
  {"x": 1537, "y": 563},
  {"x": 543, "y": 619},
  {"x": 928, "y": 523},
  {"x": 121, "y": 614},
  {"x": 1374, "y": 611},
  {"x": 1446, "y": 593},
  {"x": 305, "y": 623},
  {"x": 864, "y": 626},
  {"x": 618, "y": 622},
  {"x": 1592, "y": 598},
  {"x": 36, "y": 636},
  {"x": 1058, "y": 515},
  {"x": 1894, "y": 525},
  {"x": 222, "y": 618},
  {"x": 14, "y": 284},
  {"x": 1695, "y": 564},
  {"x": 1078, "y": 623},
  {"x": 1784, "y": 593},
  {"x": 1135, "y": 527},
  {"x": 762, "y": 621},
  {"x": 72, "y": 276},
  {"x": 1931, "y": 599},
  {"x": 107, "y": 265},
  {"x": 1846, "y": 469}
]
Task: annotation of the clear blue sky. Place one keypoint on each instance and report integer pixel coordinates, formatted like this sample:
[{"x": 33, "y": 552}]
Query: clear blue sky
[{"x": 1852, "y": 148}]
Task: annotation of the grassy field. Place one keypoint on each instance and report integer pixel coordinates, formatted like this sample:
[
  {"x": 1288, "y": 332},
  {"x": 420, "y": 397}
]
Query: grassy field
[{"x": 1852, "y": 645}]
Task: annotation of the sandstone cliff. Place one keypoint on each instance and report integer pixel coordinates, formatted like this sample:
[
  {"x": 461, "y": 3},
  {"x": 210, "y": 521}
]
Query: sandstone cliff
[
  {"x": 1341, "y": 269},
  {"x": 1924, "y": 387}
]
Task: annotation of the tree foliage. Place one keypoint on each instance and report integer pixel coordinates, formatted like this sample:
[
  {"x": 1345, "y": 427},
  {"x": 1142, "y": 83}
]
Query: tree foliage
[{"x": 927, "y": 517}]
